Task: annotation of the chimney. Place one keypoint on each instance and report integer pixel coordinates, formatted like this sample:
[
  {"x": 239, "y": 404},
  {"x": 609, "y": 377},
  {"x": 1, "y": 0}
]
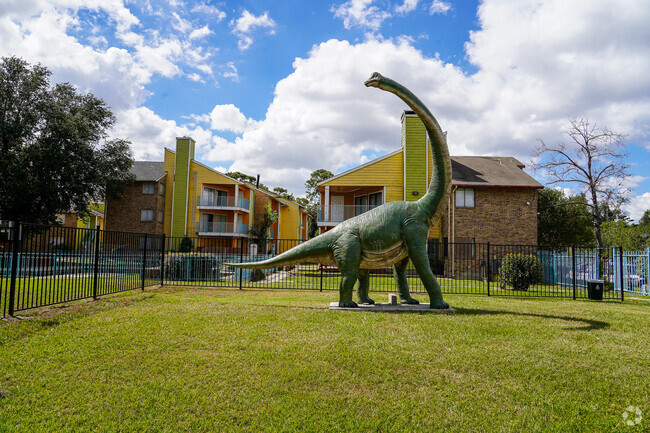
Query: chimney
[{"x": 257, "y": 185}]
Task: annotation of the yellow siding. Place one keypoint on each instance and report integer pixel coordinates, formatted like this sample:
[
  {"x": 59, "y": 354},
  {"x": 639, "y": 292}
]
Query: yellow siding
[
  {"x": 200, "y": 175},
  {"x": 289, "y": 221},
  {"x": 415, "y": 153},
  {"x": 387, "y": 172},
  {"x": 170, "y": 158}
]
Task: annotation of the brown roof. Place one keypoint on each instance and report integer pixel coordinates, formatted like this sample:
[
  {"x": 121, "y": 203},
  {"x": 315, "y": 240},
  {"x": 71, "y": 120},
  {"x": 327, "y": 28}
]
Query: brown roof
[{"x": 490, "y": 172}]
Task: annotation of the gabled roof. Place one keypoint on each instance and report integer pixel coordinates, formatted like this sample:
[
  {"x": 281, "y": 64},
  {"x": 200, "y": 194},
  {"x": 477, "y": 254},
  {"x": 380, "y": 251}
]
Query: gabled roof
[
  {"x": 490, "y": 171},
  {"x": 148, "y": 170},
  {"x": 476, "y": 171},
  {"x": 283, "y": 200},
  {"x": 381, "y": 158}
]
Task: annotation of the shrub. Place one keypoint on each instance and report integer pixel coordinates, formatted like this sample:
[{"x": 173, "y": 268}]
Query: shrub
[
  {"x": 520, "y": 271},
  {"x": 186, "y": 245},
  {"x": 257, "y": 275}
]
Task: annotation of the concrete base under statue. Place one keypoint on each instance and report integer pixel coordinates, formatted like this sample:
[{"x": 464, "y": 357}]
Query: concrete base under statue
[{"x": 392, "y": 308}]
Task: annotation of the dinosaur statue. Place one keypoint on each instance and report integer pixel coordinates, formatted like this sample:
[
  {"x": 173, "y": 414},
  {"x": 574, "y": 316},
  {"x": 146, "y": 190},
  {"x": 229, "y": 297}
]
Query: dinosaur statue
[{"x": 387, "y": 235}]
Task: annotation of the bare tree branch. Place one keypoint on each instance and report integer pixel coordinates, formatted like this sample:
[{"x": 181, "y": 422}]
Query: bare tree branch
[{"x": 593, "y": 160}]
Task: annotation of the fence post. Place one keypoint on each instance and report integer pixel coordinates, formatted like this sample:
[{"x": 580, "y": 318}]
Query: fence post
[
  {"x": 573, "y": 265},
  {"x": 488, "y": 268},
  {"x": 321, "y": 277},
  {"x": 162, "y": 261},
  {"x": 647, "y": 271},
  {"x": 241, "y": 260},
  {"x": 144, "y": 260},
  {"x": 14, "y": 266},
  {"x": 96, "y": 264},
  {"x": 620, "y": 253}
]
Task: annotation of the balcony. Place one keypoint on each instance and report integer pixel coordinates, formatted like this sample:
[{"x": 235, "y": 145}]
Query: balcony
[
  {"x": 331, "y": 215},
  {"x": 223, "y": 203},
  {"x": 222, "y": 229}
]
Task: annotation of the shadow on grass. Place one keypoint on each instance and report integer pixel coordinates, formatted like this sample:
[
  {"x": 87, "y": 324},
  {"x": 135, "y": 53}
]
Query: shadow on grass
[{"x": 589, "y": 325}]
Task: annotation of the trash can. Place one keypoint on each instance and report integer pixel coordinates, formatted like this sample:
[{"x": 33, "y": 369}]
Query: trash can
[{"x": 595, "y": 290}]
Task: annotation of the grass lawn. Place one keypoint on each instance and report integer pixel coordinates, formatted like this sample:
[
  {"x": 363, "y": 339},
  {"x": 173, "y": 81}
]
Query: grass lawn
[{"x": 209, "y": 360}]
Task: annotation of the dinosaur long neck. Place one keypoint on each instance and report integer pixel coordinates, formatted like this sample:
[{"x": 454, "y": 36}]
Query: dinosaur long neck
[{"x": 432, "y": 203}]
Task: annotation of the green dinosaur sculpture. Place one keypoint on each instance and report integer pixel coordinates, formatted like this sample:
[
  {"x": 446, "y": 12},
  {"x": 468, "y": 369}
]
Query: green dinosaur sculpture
[{"x": 387, "y": 235}]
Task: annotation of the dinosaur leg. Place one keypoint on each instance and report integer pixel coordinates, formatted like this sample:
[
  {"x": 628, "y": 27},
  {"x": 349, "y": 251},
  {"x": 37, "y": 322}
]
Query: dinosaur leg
[
  {"x": 399, "y": 271},
  {"x": 364, "y": 287},
  {"x": 347, "y": 255},
  {"x": 416, "y": 244}
]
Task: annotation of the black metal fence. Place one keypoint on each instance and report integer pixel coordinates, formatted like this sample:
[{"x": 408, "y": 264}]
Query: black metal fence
[
  {"x": 460, "y": 268},
  {"x": 46, "y": 265}
]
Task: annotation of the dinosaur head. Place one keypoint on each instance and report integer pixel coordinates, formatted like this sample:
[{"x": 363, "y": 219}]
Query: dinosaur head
[{"x": 374, "y": 80}]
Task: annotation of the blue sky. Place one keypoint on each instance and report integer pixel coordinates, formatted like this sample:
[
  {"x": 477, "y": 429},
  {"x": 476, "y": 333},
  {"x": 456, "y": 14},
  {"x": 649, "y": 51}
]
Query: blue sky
[{"x": 276, "y": 87}]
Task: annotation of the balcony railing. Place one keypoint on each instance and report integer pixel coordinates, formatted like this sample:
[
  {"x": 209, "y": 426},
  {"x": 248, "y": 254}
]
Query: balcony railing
[
  {"x": 221, "y": 228},
  {"x": 205, "y": 201},
  {"x": 335, "y": 214}
]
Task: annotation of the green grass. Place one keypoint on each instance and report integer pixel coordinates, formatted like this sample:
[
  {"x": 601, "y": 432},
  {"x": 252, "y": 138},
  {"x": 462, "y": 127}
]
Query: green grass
[{"x": 207, "y": 360}]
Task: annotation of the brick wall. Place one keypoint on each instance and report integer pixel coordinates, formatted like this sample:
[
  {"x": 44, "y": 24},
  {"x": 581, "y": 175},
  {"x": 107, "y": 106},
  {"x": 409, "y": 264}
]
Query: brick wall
[
  {"x": 499, "y": 216},
  {"x": 125, "y": 214}
]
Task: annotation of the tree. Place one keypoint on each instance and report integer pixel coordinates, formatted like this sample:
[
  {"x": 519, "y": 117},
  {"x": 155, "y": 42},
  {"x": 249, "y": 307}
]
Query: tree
[
  {"x": 54, "y": 157},
  {"x": 592, "y": 161},
  {"x": 645, "y": 219},
  {"x": 630, "y": 237},
  {"x": 260, "y": 230},
  {"x": 563, "y": 220},
  {"x": 313, "y": 197},
  {"x": 245, "y": 178},
  {"x": 611, "y": 212},
  {"x": 283, "y": 192},
  {"x": 242, "y": 176}
]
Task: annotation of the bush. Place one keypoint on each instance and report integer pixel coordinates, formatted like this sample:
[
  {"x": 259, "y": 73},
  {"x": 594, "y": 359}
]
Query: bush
[
  {"x": 186, "y": 245},
  {"x": 520, "y": 271},
  {"x": 257, "y": 275}
]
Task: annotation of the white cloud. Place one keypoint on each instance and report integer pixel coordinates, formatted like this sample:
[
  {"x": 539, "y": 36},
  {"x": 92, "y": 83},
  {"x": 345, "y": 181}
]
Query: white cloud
[
  {"x": 538, "y": 64},
  {"x": 360, "y": 13},
  {"x": 201, "y": 32},
  {"x": 231, "y": 72},
  {"x": 150, "y": 133},
  {"x": 221, "y": 169},
  {"x": 407, "y": 6},
  {"x": 322, "y": 115},
  {"x": 195, "y": 77},
  {"x": 202, "y": 8},
  {"x": 181, "y": 24},
  {"x": 247, "y": 23},
  {"x": 637, "y": 206},
  {"x": 228, "y": 118},
  {"x": 161, "y": 58},
  {"x": 439, "y": 7}
]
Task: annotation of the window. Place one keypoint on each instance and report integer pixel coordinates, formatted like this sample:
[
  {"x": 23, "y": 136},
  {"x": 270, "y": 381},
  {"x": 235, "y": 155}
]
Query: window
[
  {"x": 222, "y": 198},
  {"x": 161, "y": 188},
  {"x": 214, "y": 223},
  {"x": 146, "y": 215},
  {"x": 161, "y": 215},
  {"x": 374, "y": 200},
  {"x": 214, "y": 197},
  {"x": 465, "y": 197},
  {"x": 148, "y": 187},
  {"x": 360, "y": 204}
]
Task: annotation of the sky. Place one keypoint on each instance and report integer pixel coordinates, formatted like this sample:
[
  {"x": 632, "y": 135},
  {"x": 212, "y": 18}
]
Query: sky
[{"x": 276, "y": 87}]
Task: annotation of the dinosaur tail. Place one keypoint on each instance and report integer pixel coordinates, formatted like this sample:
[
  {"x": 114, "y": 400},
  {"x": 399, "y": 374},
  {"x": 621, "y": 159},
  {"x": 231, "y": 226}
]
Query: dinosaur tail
[
  {"x": 312, "y": 250},
  {"x": 440, "y": 185}
]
